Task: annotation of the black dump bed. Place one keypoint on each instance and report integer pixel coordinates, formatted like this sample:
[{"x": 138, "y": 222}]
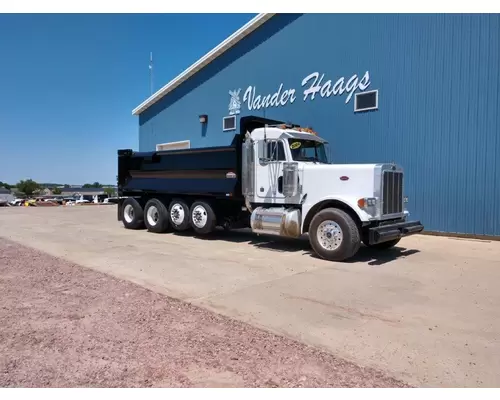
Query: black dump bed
[{"x": 209, "y": 171}]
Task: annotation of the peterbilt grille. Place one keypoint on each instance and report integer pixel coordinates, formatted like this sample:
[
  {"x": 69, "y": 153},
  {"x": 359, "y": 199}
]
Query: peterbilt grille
[{"x": 392, "y": 193}]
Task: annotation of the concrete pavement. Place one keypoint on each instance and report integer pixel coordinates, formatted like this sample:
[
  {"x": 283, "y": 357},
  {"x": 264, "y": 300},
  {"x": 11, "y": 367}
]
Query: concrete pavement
[{"x": 427, "y": 312}]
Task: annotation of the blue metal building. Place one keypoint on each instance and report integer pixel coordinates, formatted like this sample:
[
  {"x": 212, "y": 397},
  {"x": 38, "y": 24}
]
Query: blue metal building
[{"x": 420, "y": 90}]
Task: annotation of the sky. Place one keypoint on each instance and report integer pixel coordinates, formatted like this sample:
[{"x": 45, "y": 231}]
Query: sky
[{"x": 69, "y": 82}]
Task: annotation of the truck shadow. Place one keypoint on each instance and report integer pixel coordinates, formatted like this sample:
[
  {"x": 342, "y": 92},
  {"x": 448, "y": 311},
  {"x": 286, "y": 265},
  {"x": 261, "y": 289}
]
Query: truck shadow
[
  {"x": 280, "y": 244},
  {"x": 268, "y": 242},
  {"x": 380, "y": 257}
]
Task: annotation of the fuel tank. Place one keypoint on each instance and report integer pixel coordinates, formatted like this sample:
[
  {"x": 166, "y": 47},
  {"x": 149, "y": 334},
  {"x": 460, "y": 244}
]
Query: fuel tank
[{"x": 277, "y": 221}]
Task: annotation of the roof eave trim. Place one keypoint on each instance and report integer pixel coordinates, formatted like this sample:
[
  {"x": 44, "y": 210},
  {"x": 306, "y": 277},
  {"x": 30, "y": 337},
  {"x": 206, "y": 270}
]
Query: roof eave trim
[{"x": 237, "y": 36}]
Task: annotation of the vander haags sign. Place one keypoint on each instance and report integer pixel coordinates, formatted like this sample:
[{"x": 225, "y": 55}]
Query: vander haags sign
[{"x": 313, "y": 85}]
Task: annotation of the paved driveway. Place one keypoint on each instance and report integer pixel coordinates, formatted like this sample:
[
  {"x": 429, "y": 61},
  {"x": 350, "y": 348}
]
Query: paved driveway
[{"x": 427, "y": 312}]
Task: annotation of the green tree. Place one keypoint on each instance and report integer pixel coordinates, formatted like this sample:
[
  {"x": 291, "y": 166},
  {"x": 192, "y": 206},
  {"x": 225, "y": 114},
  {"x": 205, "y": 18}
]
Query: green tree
[
  {"x": 28, "y": 186},
  {"x": 56, "y": 191},
  {"x": 92, "y": 185},
  {"x": 5, "y": 185},
  {"x": 109, "y": 191}
]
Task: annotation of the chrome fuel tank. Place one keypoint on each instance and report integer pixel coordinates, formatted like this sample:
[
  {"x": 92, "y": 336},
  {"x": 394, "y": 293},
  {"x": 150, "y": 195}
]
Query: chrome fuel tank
[{"x": 278, "y": 221}]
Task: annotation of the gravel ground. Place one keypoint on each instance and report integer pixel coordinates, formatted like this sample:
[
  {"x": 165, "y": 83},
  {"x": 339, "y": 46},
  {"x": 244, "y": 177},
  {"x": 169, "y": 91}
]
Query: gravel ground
[{"x": 62, "y": 325}]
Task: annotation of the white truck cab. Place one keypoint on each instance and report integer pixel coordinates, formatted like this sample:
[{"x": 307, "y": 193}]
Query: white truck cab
[{"x": 291, "y": 188}]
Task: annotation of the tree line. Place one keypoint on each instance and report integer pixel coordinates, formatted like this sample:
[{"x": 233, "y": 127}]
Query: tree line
[{"x": 30, "y": 187}]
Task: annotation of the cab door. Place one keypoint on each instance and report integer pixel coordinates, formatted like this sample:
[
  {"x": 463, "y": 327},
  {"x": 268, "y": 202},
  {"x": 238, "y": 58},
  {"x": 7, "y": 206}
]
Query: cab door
[{"x": 269, "y": 177}]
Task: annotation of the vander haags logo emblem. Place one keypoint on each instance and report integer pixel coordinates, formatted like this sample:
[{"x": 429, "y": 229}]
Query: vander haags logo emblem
[{"x": 234, "y": 102}]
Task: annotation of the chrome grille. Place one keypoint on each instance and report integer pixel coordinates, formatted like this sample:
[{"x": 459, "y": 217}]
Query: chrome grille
[{"x": 392, "y": 193}]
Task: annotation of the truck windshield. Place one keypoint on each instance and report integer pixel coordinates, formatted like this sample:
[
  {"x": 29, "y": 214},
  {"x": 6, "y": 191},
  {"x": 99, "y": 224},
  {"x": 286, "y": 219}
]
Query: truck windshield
[{"x": 308, "y": 150}]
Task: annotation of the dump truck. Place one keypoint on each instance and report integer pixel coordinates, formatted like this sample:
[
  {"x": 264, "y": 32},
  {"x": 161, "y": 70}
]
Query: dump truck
[{"x": 276, "y": 180}]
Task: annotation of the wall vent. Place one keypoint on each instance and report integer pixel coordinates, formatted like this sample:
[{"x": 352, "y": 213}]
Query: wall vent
[
  {"x": 229, "y": 123},
  {"x": 184, "y": 144}
]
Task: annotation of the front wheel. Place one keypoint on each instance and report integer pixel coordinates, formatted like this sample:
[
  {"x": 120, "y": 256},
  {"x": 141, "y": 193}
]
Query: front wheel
[{"x": 334, "y": 235}]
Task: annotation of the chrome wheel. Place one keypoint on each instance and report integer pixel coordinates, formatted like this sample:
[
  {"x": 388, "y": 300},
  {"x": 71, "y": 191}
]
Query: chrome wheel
[
  {"x": 152, "y": 215},
  {"x": 199, "y": 216},
  {"x": 177, "y": 214},
  {"x": 329, "y": 235},
  {"x": 128, "y": 213}
]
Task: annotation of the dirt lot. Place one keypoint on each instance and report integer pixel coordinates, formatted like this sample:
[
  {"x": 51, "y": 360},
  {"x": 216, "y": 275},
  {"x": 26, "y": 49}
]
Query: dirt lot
[
  {"x": 65, "y": 325},
  {"x": 427, "y": 312}
]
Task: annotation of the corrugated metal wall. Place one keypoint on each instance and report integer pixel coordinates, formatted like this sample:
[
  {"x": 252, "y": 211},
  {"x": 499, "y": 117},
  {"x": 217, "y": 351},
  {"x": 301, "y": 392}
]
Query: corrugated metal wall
[{"x": 438, "y": 82}]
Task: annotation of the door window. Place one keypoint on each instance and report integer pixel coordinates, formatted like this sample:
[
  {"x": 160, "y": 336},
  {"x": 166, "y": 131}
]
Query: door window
[{"x": 276, "y": 150}]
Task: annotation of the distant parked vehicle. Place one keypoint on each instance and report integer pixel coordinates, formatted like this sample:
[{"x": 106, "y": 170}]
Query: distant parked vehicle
[{"x": 17, "y": 202}]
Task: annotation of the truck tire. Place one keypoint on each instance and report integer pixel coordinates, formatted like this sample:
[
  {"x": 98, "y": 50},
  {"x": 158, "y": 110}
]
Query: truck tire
[
  {"x": 203, "y": 219},
  {"x": 132, "y": 214},
  {"x": 178, "y": 213},
  {"x": 334, "y": 235},
  {"x": 383, "y": 245},
  {"x": 156, "y": 216}
]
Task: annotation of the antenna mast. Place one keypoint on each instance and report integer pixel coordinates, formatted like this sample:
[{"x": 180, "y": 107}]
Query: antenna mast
[{"x": 151, "y": 73}]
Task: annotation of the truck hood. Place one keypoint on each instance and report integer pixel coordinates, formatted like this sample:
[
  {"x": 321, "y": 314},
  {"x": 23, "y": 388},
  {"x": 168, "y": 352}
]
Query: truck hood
[
  {"x": 346, "y": 180},
  {"x": 338, "y": 168}
]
